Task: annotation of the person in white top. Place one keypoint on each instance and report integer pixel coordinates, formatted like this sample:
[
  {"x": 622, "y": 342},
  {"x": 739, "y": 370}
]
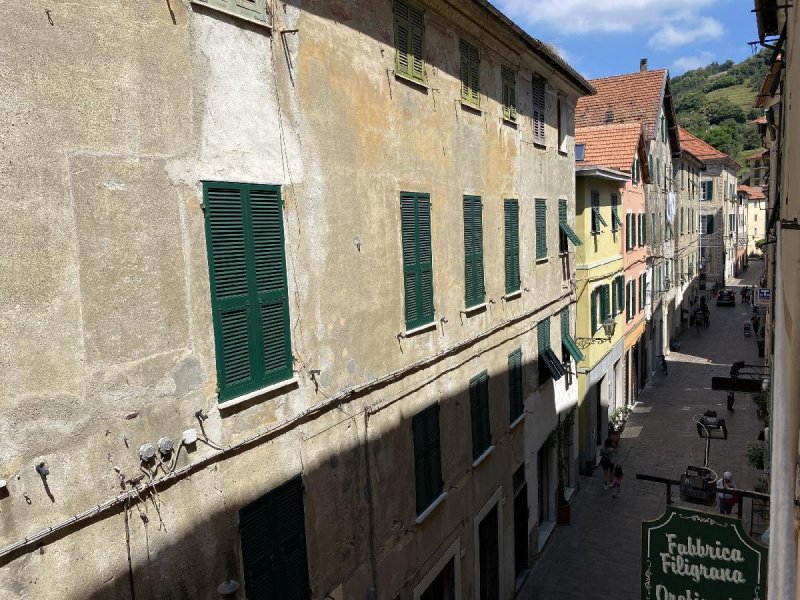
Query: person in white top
[{"x": 726, "y": 500}]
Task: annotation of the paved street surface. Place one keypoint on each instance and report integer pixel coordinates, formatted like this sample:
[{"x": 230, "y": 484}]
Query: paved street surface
[{"x": 598, "y": 556}]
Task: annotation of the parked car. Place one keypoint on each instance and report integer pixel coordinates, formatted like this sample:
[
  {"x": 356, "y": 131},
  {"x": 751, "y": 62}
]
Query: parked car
[{"x": 726, "y": 298}]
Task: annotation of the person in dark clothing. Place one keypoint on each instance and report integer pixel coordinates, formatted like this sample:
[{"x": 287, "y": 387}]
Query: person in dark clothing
[{"x": 730, "y": 401}]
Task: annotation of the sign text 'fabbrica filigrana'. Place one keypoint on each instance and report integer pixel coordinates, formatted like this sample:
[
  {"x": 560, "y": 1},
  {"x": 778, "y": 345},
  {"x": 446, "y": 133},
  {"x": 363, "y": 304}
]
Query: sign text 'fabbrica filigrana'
[{"x": 691, "y": 555}]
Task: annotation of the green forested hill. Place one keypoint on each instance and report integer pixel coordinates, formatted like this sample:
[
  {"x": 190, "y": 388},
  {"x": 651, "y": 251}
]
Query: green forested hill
[{"x": 715, "y": 103}]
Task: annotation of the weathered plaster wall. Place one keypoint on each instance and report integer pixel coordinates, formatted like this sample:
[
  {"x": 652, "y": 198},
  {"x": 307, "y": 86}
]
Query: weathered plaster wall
[{"x": 116, "y": 114}]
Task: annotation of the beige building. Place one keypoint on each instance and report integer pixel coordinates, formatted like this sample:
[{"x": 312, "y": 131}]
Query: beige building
[
  {"x": 755, "y": 230},
  {"x": 778, "y": 26},
  {"x": 280, "y": 299}
]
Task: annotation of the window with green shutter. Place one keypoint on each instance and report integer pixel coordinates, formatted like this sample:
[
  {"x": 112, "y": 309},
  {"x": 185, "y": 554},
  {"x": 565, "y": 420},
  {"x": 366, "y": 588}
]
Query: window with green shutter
[
  {"x": 249, "y": 296},
  {"x": 415, "y": 224},
  {"x": 511, "y": 208},
  {"x": 515, "y": 389},
  {"x": 274, "y": 556},
  {"x": 605, "y": 307},
  {"x": 549, "y": 365},
  {"x": 615, "y": 222},
  {"x": 509, "y": 92},
  {"x": 628, "y": 311},
  {"x": 538, "y": 98},
  {"x": 595, "y": 296},
  {"x": 565, "y": 232},
  {"x": 473, "y": 251},
  {"x": 597, "y": 218},
  {"x": 479, "y": 409},
  {"x": 643, "y": 240},
  {"x": 427, "y": 457},
  {"x": 409, "y": 40},
  {"x": 620, "y": 293},
  {"x": 541, "y": 229},
  {"x": 470, "y": 74},
  {"x": 634, "y": 310}
]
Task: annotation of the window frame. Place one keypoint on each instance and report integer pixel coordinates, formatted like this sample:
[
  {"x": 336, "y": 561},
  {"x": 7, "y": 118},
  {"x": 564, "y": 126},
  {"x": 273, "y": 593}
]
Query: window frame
[
  {"x": 508, "y": 93},
  {"x": 511, "y": 247},
  {"x": 540, "y": 221},
  {"x": 473, "y": 257},
  {"x": 426, "y": 423},
  {"x": 480, "y": 418},
  {"x": 414, "y": 22}
]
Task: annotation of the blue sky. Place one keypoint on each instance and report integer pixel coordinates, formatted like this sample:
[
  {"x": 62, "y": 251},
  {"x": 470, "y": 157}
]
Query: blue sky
[{"x": 600, "y": 38}]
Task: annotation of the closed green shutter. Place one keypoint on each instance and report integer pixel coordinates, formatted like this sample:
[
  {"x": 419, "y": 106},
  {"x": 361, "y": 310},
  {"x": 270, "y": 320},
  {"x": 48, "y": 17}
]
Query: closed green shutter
[
  {"x": 250, "y": 301},
  {"x": 615, "y": 222},
  {"x": 470, "y": 74},
  {"x": 515, "y": 392},
  {"x": 541, "y": 229},
  {"x": 604, "y": 303},
  {"x": 274, "y": 555},
  {"x": 594, "y": 297},
  {"x": 634, "y": 310},
  {"x": 479, "y": 409},
  {"x": 409, "y": 40},
  {"x": 427, "y": 457},
  {"x": 538, "y": 99},
  {"x": 473, "y": 251},
  {"x": 509, "y": 91},
  {"x": 543, "y": 335},
  {"x": 415, "y": 221},
  {"x": 644, "y": 229},
  {"x": 512, "y": 245},
  {"x": 597, "y": 218},
  {"x": 614, "y": 297}
]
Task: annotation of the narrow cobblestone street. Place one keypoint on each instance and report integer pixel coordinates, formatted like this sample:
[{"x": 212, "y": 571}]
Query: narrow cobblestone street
[{"x": 598, "y": 556}]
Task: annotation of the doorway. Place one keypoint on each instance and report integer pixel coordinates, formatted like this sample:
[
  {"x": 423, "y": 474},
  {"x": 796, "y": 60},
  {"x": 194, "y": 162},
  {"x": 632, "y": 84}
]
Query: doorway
[
  {"x": 443, "y": 587},
  {"x": 489, "y": 557}
]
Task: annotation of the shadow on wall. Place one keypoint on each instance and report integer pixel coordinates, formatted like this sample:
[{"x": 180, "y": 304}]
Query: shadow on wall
[{"x": 184, "y": 541}]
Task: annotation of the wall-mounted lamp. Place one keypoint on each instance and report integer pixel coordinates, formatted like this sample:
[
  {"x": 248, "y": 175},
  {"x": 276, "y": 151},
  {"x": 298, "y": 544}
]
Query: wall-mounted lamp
[{"x": 609, "y": 325}]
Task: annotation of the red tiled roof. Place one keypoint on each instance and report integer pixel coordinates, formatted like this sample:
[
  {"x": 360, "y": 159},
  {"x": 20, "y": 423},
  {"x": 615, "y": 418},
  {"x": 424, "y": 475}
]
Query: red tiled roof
[
  {"x": 699, "y": 148},
  {"x": 752, "y": 192},
  {"x": 632, "y": 98},
  {"x": 612, "y": 146}
]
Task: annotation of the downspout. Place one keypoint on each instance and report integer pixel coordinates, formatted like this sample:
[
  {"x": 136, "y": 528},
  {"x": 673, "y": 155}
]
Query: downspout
[{"x": 373, "y": 590}]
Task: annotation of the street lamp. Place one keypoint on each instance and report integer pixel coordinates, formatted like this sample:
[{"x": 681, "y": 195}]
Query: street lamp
[{"x": 609, "y": 325}]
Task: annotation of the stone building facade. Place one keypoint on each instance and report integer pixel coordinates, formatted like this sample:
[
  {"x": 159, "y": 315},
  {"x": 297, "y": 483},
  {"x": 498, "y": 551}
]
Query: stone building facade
[{"x": 313, "y": 247}]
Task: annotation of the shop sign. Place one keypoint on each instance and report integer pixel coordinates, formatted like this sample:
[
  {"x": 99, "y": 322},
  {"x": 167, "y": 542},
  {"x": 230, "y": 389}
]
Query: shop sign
[
  {"x": 764, "y": 296},
  {"x": 692, "y": 555}
]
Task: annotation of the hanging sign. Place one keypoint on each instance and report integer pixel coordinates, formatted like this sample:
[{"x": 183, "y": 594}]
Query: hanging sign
[
  {"x": 692, "y": 555},
  {"x": 764, "y": 296}
]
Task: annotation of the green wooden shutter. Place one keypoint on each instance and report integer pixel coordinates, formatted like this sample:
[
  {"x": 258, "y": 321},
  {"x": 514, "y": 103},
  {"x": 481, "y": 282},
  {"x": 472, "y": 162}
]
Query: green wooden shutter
[
  {"x": 515, "y": 392},
  {"x": 244, "y": 226},
  {"x": 710, "y": 224},
  {"x": 473, "y": 251},
  {"x": 615, "y": 222},
  {"x": 543, "y": 335},
  {"x": 409, "y": 40},
  {"x": 470, "y": 73},
  {"x": 417, "y": 23},
  {"x": 512, "y": 245},
  {"x": 274, "y": 554},
  {"x": 479, "y": 409},
  {"x": 415, "y": 218},
  {"x": 509, "y": 93},
  {"x": 597, "y": 218},
  {"x": 541, "y": 229},
  {"x": 594, "y": 297},
  {"x": 538, "y": 93},
  {"x": 604, "y": 303},
  {"x": 427, "y": 457},
  {"x": 614, "y": 297}
]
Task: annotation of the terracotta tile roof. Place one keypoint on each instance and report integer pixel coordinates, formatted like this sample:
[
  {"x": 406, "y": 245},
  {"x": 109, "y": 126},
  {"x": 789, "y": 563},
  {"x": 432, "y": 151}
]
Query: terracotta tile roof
[
  {"x": 632, "y": 98},
  {"x": 752, "y": 192},
  {"x": 699, "y": 148},
  {"x": 612, "y": 146}
]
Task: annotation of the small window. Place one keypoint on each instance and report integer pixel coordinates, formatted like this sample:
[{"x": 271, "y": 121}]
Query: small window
[
  {"x": 479, "y": 409},
  {"x": 409, "y": 41},
  {"x": 567, "y": 342},
  {"x": 565, "y": 232},
  {"x": 427, "y": 457},
  {"x": 473, "y": 251},
  {"x": 597, "y": 218},
  {"x": 579, "y": 152},
  {"x": 470, "y": 74},
  {"x": 250, "y": 10},
  {"x": 616, "y": 224},
  {"x": 509, "y": 92},
  {"x": 512, "y": 245},
  {"x": 415, "y": 222}
]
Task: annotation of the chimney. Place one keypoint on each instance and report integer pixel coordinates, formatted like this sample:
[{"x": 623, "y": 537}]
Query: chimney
[{"x": 643, "y": 65}]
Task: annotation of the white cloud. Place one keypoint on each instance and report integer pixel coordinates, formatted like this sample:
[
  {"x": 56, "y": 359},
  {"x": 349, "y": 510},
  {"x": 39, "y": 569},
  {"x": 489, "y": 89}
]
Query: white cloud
[
  {"x": 684, "y": 32},
  {"x": 583, "y": 16},
  {"x": 687, "y": 63}
]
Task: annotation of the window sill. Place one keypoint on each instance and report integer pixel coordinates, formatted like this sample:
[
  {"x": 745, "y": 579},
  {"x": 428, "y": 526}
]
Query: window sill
[
  {"x": 421, "y": 329},
  {"x": 421, "y": 85},
  {"x": 539, "y": 145},
  {"x": 482, "y": 457},
  {"x": 471, "y": 108},
  {"x": 471, "y": 310},
  {"x": 432, "y": 507},
  {"x": 540, "y": 261},
  {"x": 512, "y": 295},
  {"x": 231, "y": 13},
  {"x": 509, "y": 122},
  {"x": 517, "y": 421},
  {"x": 259, "y": 392}
]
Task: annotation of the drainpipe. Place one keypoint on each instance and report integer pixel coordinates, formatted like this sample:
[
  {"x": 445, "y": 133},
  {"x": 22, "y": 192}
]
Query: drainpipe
[{"x": 373, "y": 590}]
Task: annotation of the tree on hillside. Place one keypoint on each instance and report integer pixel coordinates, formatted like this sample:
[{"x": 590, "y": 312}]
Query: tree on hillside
[
  {"x": 721, "y": 109},
  {"x": 725, "y": 138}
]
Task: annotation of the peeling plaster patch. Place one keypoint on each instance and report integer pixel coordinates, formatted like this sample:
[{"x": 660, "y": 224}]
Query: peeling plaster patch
[
  {"x": 114, "y": 184},
  {"x": 187, "y": 376}
]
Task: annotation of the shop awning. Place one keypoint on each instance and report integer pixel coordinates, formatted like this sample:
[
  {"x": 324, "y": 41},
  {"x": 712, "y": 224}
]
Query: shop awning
[
  {"x": 550, "y": 361},
  {"x": 572, "y": 348}
]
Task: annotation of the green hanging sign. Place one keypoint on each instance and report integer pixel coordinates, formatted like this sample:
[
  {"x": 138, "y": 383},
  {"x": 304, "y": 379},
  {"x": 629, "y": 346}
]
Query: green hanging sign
[{"x": 691, "y": 555}]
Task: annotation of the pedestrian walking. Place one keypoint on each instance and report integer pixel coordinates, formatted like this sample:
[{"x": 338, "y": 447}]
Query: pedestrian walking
[
  {"x": 726, "y": 499},
  {"x": 730, "y": 401},
  {"x": 616, "y": 481},
  {"x": 607, "y": 462}
]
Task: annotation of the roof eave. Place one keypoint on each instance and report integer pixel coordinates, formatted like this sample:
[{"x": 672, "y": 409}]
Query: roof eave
[{"x": 601, "y": 172}]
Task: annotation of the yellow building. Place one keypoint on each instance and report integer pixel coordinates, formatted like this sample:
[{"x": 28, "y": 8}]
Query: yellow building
[{"x": 600, "y": 290}]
